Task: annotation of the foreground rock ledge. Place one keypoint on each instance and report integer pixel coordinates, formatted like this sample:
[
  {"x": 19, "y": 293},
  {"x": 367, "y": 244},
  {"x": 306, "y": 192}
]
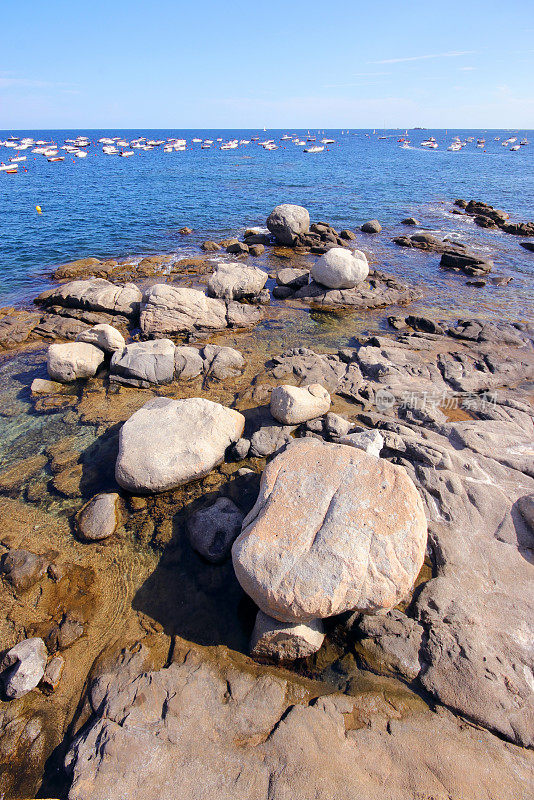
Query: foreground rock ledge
[
  {"x": 333, "y": 529},
  {"x": 170, "y": 442}
]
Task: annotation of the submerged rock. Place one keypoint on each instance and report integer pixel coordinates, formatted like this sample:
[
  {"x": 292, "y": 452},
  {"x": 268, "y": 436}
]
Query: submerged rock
[
  {"x": 285, "y": 641},
  {"x": 22, "y": 568},
  {"x": 292, "y": 405},
  {"x": 70, "y": 361},
  {"x": 333, "y": 530},
  {"x": 340, "y": 269},
  {"x": 98, "y": 519},
  {"x": 22, "y": 667},
  {"x": 170, "y": 442},
  {"x": 287, "y": 221}
]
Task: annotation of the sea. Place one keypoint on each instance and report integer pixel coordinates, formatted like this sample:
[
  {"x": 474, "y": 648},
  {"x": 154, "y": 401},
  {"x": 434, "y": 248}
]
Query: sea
[{"x": 112, "y": 207}]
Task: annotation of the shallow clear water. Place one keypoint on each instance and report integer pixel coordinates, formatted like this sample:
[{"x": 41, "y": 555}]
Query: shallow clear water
[{"x": 107, "y": 206}]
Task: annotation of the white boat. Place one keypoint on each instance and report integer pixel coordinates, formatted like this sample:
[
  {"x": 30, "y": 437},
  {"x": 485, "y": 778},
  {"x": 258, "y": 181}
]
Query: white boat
[
  {"x": 11, "y": 169},
  {"x": 516, "y": 147},
  {"x": 17, "y": 158},
  {"x": 109, "y": 150},
  {"x": 56, "y": 158},
  {"x": 405, "y": 146},
  {"x": 430, "y": 143},
  {"x": 244, "y": 141},
  {"x": 455, "y": 146},
  {"x": 314, "y": 149},
  {"x": 327, "y": 141},
  {"x": 523, "y": 142},
  {"x": 208, "y": 141},
  {"x": 126, "y": 153},
  {"x": 285, "y": 137},
  {"x": 80, "y": 154},
  {"x": 300, "y": 142},
  {"x": 196, "y": 140},
  {"x": 270, "y": 146}
]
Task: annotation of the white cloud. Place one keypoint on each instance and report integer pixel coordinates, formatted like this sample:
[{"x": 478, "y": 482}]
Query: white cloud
[{"x": 423, "y": 58}]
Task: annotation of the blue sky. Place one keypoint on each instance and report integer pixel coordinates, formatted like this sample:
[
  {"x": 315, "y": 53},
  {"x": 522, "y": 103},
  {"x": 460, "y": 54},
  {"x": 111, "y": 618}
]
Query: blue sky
[{"x": 128, "y": 64}]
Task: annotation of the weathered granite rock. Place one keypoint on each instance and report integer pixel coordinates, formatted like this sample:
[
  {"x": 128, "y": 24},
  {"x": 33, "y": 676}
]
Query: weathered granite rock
[
  {"x": 237, "y": 248},
  {"x": 68, "y": 362},
  {"x": 99, "y": 518},
  {"x": 269, "y": 439},
  {"x": 285, "y": 641},
  {"x": 391, "y": 643},
  {"x": 81, "y": 268},
  {"x": 373, "y": 226},
  {"x": 22, "y": 667},
  {"x": 370, "y": 442},
  {"x": 144, "y": 363},
  {"x": 96, "y": 294},
  {"x": 212, "y": 530},
  {"x": 242, "y": 315},
  {"x": 170, "y": 442},
  {"x": 188, "y": 362},
  {"x": 152, "y": 729},
  {"x": 294, "y": 278},
  {"x": 287, "y": 221},
  {"x": 236, "y": 281},
  {"x": 340, "y": 269},
  {"x": 43, "y": 386},
  {"x": 336, "y": 426},
  {"x": 104, "y": 336},
  {"x": 410, "y": 221},
  {"x": 292, "y": 405},
  {"x": 22, "y": 568},
  {"x": 526, "y": 509},
  {"x": 210, "y": 247},
  {"x": 222, "y": 362},
  {"x": 321, "y": 539},
  {"x": 16, "y": 326},
  {"x": 173, "y": 309}
]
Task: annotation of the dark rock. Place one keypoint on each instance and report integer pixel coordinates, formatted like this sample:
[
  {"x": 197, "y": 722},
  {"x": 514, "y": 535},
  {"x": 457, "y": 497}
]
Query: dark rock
[
  {"x": 528, "y": 246},
  {"x": 256, "y": 249},
  {"x": 348, "y": 235},
  {"x": 519, "y": 228},
  {"x": 237, "y": 248},
  {"x": 461, "y": 203},
  {"x": 210, "y": 247},
  {"x": 212, "y": 530},
  {"x": 282, "y": 292},
  {"x": 373, "y": 226},
  {"x": 469, "y": 264},
  {"x": 424, "y": 324},
  {"x": 185, "y": 231},
  {"x": 23, "y": 569},
  {"x": 479, "y": 284},
  {"x": 410, "y": 221}
]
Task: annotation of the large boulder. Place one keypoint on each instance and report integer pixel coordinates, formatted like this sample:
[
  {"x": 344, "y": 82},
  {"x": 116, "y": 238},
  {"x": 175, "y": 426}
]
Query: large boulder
[
  {"x": 104, "y": 336},
  {"x": 222, "y": 362},
  {"x": 188, "y": 363},
  {"x": 170, "y": 442},
  {"x": 286, "y": 222},
  {"x": 73, "y": 360},
  {"x": 96, "y": 294},
  {"x": 340, "y": 268},
  {"x": 373, "y": 226},
  {"x": 22, "y": 667},
  {"x": 144, "y": 363},
  {"x": 292, "y": 405},
  {"x": 333, "y": 530},
  {"x": 236, "y": 281},
  {"x": 173, "y": 309}
]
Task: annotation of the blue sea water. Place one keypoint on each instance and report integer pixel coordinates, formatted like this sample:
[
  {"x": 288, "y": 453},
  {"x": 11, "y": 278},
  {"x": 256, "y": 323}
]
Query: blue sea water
[{"x": 106, "y": 206}]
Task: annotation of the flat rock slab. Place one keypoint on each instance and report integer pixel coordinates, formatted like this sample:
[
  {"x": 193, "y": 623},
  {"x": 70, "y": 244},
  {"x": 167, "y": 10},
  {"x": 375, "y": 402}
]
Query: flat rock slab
[
  {"x": 96, "y": 294},
  {"x": 236, "y": 281},
  {"x": 170, "y": 442},
  {"x": 333, "y": 530},
  {"x": 376, "y": 292}
]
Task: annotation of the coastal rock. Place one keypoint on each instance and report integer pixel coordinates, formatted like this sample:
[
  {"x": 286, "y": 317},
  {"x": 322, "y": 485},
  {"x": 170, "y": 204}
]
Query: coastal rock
[
  {"x": 81, "y": 268},
  {"x": 373, "y": 226},
  {"x": 68, "y": 362},
  {"x": 265, "y": 742},
  {"x": 336, "y": 426},
  {"x": 96, "y": 294},
  {"x": 22, "y": 667},
  {"x": 528, "y": 246},
  {"x": 170, "y": 442},
  {"x": 285, "y": 641},
  {"x": 391, "y": 643},
  {"x": 269, "y": 439},
  {"x": 98, "y": 519},
  {"x": 526, "y": 509},
  {"x": 23, "y": 569},
  {"x": 294, "y": 278},
  {"x": 371, "y": 442},
  {"x": 188, "y": 362},
  {"x": 52, "y": 674},
  {"x": 43, "y": 386},
  {"x": 332, "y": 530},
  {"x": 172, "y": 309},
  {"x": 292, "y": 405},
  {"x": 144, "y": 363},
  {"x": 104, "y": 336},
  {"x": 213, "y": 530},
  {"x": 410, "y": 221},
  {"x": 256, "y": 249},
  {"x": 16, "y": 326},
  {"x": 287, "y": 221},
  {"x": 242, "y": 315},
  {"x": 236, "y": 281},
  {"x": 469, "y": 264},
  {"x": 237, "y": 248},
  {"x": 340, "y": 269},
  {"x": 222, "y": 362},
  {"x": 210, "y": 247}
]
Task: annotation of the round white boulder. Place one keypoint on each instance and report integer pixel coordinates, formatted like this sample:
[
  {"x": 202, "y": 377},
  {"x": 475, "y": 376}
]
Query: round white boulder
[
  {"x": 293, "y": 405},
  {"x": 170, "y": 442},
  {"x": 287, "y": 221},
  {"x": 339, "y": 268},
  {"x": 73, "y": 360},
  {"x": 333, "y": 529}
]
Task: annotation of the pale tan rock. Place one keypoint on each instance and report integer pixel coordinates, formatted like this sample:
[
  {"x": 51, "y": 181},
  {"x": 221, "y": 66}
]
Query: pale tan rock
[
  {"x": 285, "y": 641},
  {"x": 104, "y": 336},
  {"x": 73, "y": 360},
  {"x": 333, "y": 530},
  {"x": 293, "y": 405},
  {"x": 98, "y": 519},
  {"x": 173, "y": 309}
]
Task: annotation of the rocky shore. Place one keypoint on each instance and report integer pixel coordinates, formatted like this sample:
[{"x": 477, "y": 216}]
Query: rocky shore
[{"x": 251, "y": 570}]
